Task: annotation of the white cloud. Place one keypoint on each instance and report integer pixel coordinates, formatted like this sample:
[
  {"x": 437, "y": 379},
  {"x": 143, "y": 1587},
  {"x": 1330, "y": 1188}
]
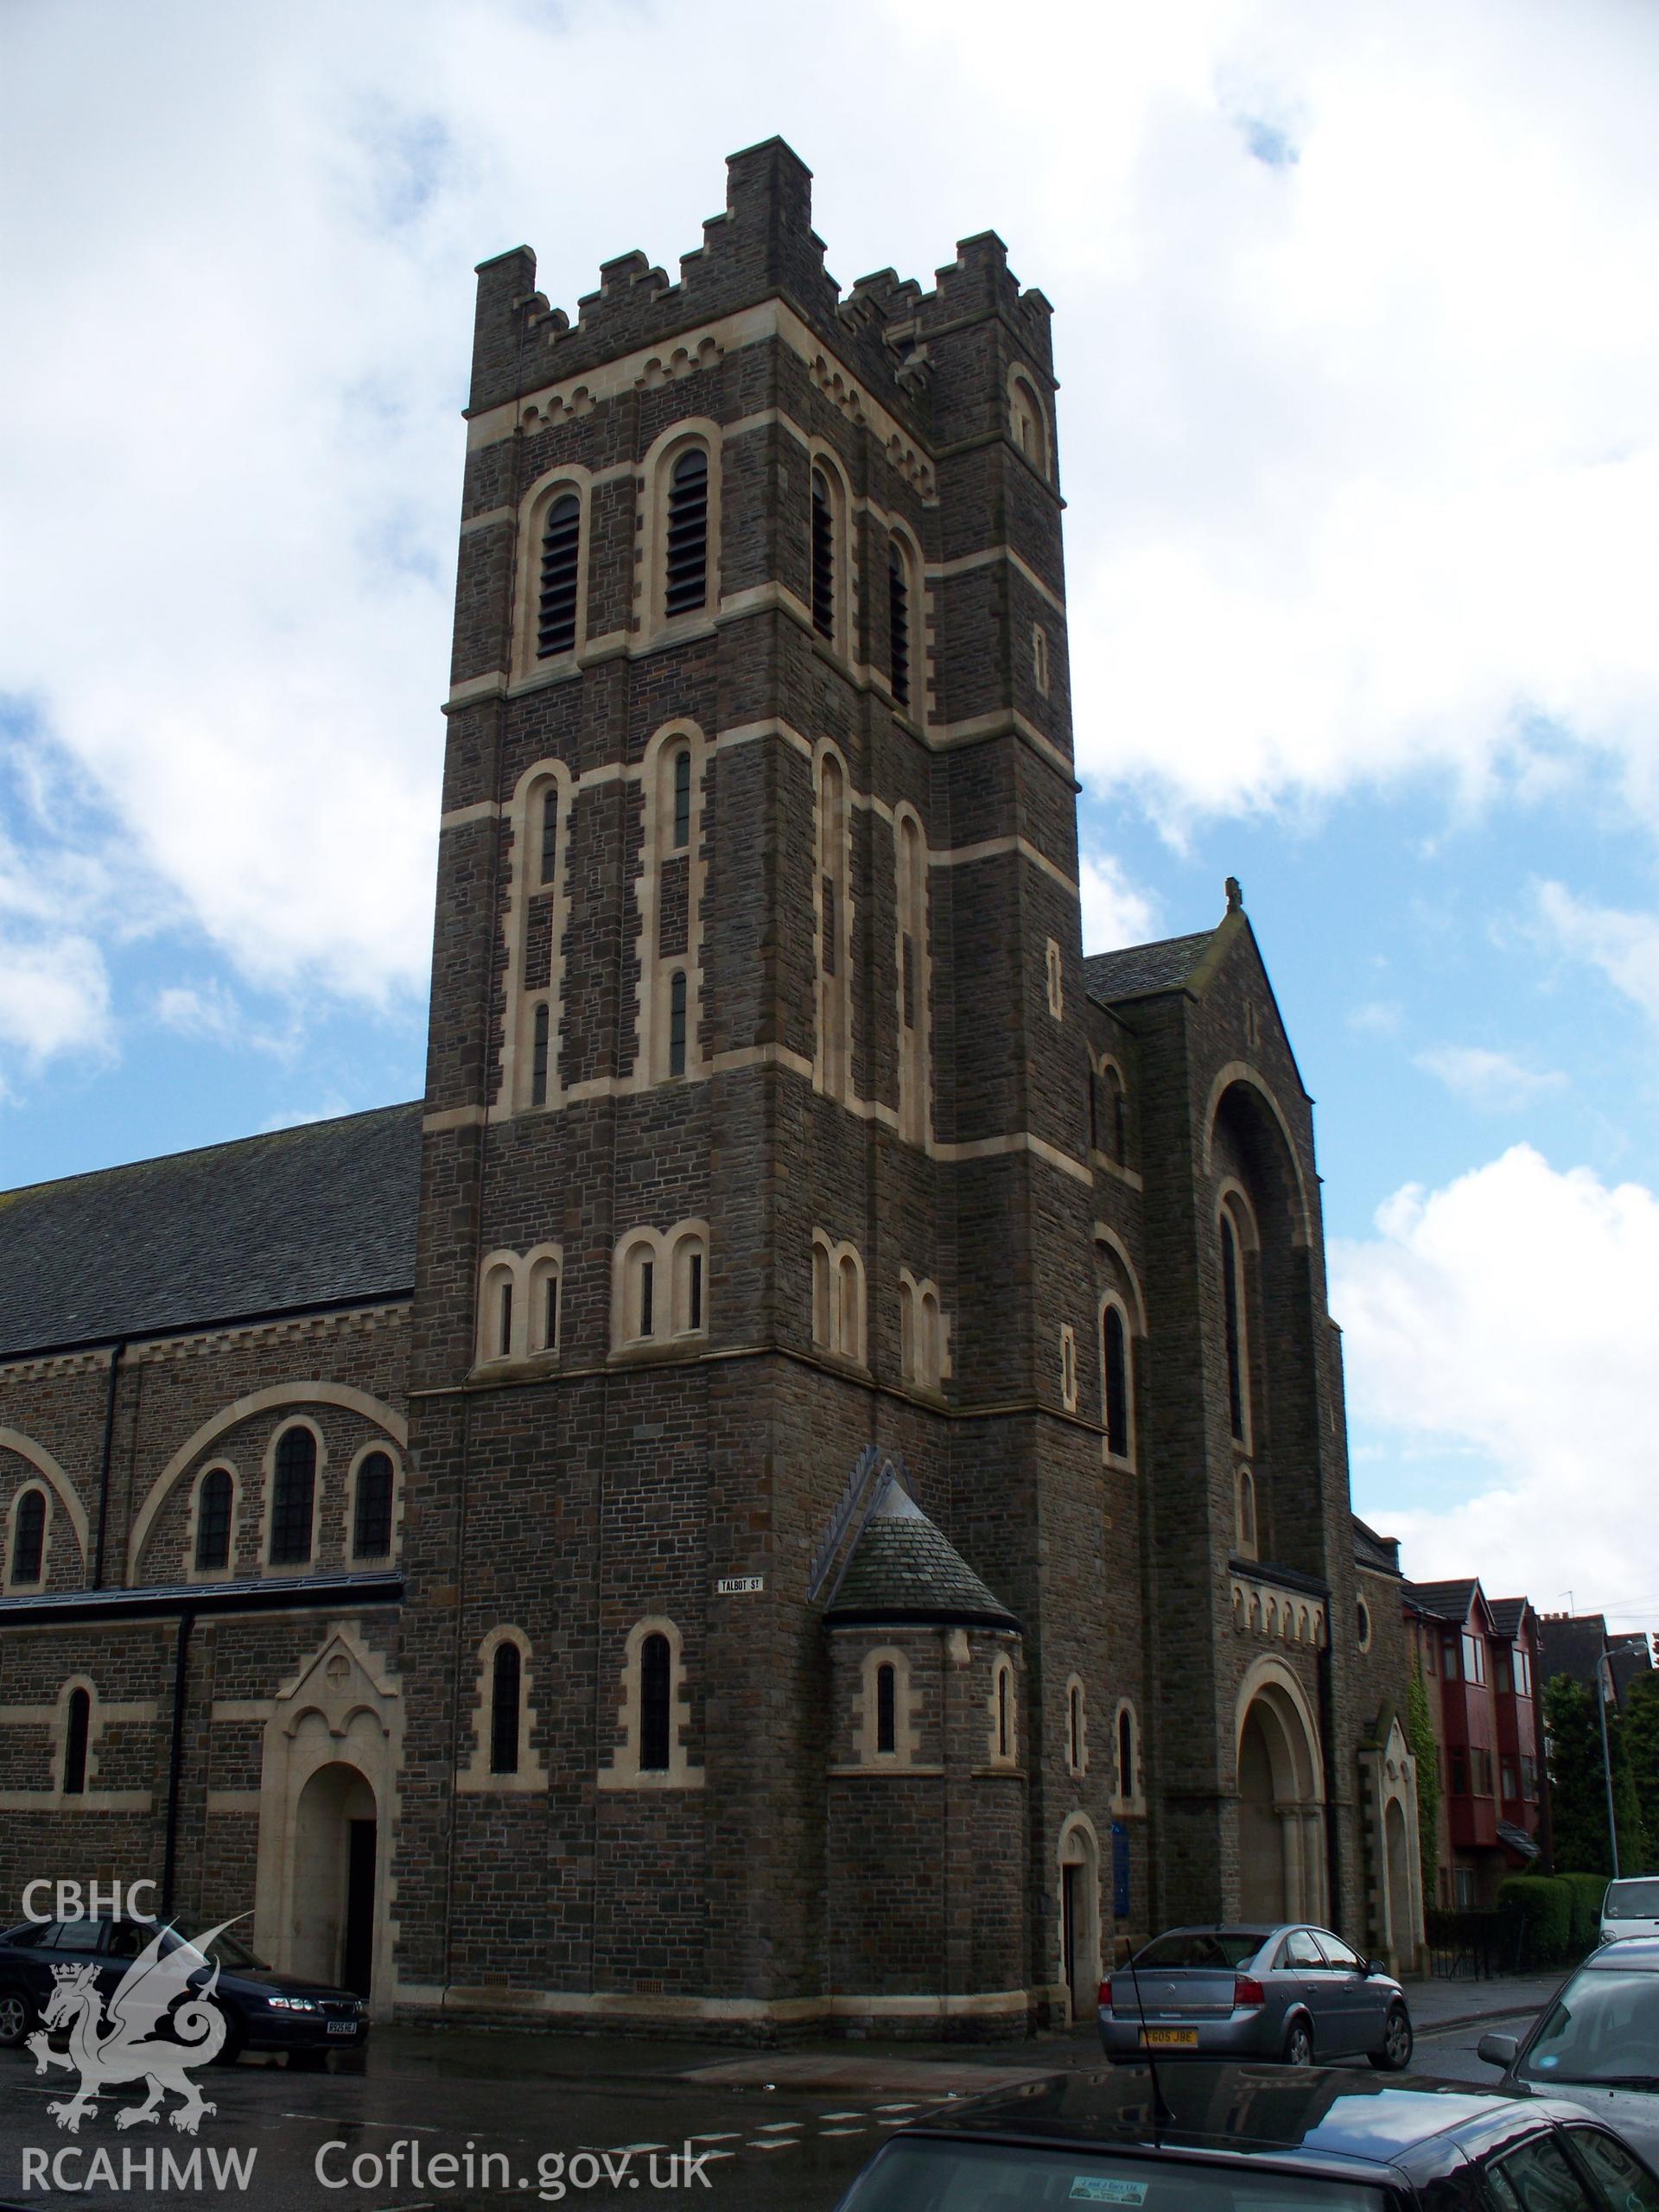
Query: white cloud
[
  {"x": 54, "y": 995},
  {"x": 1493, "y": 1081},
  {"x": 1513, "y": 1315},
  {"x": 1625, "y": 947},
  {"x": 1114, "y": 912},
  {"x": 1377, "y": 1018},
  {"x": 1356, "y": 422}
]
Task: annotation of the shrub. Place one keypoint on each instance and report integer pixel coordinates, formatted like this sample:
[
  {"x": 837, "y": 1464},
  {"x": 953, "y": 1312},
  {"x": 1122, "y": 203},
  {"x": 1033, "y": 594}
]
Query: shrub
[
  {"x": 1588, "y": 1891},
  {"x": 1539, "y": 1906}
]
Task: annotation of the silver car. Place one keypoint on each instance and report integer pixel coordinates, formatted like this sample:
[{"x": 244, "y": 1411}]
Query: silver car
[
  {"x": 1238, "y": 1991},
  {"x": 1596, "y": 2042}
]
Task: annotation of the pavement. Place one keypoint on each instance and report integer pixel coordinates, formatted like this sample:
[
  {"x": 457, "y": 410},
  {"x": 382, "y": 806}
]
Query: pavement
[{"x": 679, "y": 2123}]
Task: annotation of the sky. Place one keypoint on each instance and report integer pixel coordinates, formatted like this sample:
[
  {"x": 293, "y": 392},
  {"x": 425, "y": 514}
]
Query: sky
[{"x": 1358, "y": 331}]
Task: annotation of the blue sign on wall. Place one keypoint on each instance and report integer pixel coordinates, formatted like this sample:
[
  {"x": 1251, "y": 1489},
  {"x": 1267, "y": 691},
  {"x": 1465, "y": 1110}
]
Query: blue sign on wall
[{"x": 1119, "y": 1870}]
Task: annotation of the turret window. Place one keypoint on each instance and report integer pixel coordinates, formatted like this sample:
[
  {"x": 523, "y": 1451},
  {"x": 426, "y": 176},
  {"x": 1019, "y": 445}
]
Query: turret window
[
  {"x": 886, "y": 1708},
  {"x": 561, "y": 560},
  {"x": 686, "y": 565}
]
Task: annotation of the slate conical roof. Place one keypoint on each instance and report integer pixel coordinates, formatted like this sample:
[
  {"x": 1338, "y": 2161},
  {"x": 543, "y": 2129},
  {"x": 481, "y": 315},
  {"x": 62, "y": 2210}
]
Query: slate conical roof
[{"x": 905, "y": 1569}]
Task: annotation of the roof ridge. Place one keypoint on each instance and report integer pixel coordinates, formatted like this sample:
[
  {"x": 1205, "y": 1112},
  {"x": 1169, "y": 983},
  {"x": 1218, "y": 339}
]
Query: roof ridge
[{"x": 195, "y": 1151}]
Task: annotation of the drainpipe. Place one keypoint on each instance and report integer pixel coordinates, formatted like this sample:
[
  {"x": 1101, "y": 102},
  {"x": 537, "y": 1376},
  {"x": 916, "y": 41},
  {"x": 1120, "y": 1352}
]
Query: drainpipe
[
  {"x": 115, "y": 1352},
  {"x": 1328, "y": 1750},
  {"x": 176, "y": 1758}
]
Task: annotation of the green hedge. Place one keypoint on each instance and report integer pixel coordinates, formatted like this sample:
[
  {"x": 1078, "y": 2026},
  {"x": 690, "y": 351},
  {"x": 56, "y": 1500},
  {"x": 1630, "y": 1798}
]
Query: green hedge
[
  {"x": 1588, "y": 1891},
  {"x": 1543, "y": 1906}
]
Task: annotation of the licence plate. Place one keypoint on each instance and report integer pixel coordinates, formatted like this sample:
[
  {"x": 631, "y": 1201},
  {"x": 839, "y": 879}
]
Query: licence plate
[
  {"x": 1170, "y": 2038},
  {"x": 342, "y": 2027}
]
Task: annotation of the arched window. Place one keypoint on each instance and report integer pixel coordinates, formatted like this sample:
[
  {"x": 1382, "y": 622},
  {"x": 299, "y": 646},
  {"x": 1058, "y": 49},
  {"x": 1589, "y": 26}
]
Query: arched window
[
  {"x": 293, "y": 1496},
  {"x": 835, "y": 934},
  {"x": 1232, "y": 1297},
  {"x": 29, "y": 1537},
  {"x": 546, "y": 1274},
  {"x": 505, "y": 1700},
  {"x": 1074, "y": 1728},
  {"x": 822, "y": 1311},
  {"x": 1068, "y": 1367},
  {"x": 549, "y": 833},
  {"x": 686, "y": 569},
  {"x": 214, "y": 1502},
  {"x": 656, "y": 1703},
  {"x": 851, "y": 1320},
  {"x": 555, "y": 631},
  {"x": 1028, "y": 424},
  {"x": 886, "y": 1707},
  {"x": 1244, "y": 1530},
  {"x": 543, "y": 1031},
  {"x": 681, "y": 837},
  {"x": 899, "y": 621},
  {"x": 77, "y": 1732},
  {"x": 1115, "y": 1372},
  {"x": 910, "y": 866},
  {"x": 676, "y": 1022},
  {"x": 1125, "y": 1754},
  {"x": 1054, "y": 978},
  {"x": 823, "y": 556},
  {"x": 1039, "y": 659},
  {"x": 372, "y": 1520},
  {"x": 659, "y": 1286},
  {"x": 1004, "y": 1710},
  {"x": 503, "y": 1318}
]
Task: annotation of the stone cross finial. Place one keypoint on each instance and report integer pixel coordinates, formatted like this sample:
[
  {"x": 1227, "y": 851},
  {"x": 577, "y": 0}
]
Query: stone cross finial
[{"x": 1234, "y": 896}]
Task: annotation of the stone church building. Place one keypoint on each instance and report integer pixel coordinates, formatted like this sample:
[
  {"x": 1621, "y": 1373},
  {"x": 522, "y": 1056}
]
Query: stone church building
[{"x": 804, "y": 1482}]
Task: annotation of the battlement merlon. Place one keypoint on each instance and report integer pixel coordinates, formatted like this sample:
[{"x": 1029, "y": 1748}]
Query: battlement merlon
[{"x": 762, "y": 246}]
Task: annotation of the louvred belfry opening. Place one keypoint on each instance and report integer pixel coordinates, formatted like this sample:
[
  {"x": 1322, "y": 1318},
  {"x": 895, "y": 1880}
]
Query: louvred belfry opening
[
  {"x": 823, "y": 558},
  {"x": 561, "y": 549},
  {"x": 687, "y": 534},
  {"x": 899, "y": 625}
]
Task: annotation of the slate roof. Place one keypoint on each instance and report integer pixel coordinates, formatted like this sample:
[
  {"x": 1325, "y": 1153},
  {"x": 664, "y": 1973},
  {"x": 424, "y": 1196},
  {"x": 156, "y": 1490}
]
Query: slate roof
[
  {"x": 304, "y": 1218},
  {"x": 1506, "y": 1614},
  {"x": 905, "y": 1569},
  {"x": 1380, "y": 1553},
  {"x": 1136, "y": 970},
  {"x": 1571, "y": 1643},
  {"x": 1447, "y": 1601}
]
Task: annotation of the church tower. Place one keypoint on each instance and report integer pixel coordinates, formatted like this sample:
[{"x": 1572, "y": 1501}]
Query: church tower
[{"x": 751, "y": 1107}]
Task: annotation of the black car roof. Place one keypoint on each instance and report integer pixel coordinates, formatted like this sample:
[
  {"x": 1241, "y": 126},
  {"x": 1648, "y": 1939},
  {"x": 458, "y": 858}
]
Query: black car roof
[{"x": 1336, "y": 2120}]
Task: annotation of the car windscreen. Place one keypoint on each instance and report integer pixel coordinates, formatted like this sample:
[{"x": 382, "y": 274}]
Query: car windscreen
[
  {"x": 1630, "y": 1901},
  {"x": 1603, "y": 2027},
  {"x": 936, "y": 2177},
  {"x": 1222, "y": 1948},
  {"x": 228, "y": 1952}
]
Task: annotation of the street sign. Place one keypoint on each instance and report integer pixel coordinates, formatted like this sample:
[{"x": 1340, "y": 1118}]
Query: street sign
[{"x": 738, "y": 1585}]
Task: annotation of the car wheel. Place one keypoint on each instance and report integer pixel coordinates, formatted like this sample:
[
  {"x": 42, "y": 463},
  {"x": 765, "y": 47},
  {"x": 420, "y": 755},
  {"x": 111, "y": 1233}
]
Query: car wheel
[
  {"x": 16, "y": 2015},
  {"x": 1298, "y": 2045},
  {"x": 1395, "y": 2055}
]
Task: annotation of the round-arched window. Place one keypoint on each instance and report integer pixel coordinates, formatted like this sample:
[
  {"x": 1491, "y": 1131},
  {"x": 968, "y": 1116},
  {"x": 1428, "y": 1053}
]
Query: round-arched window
[{"x": 1364, "y": 1612}]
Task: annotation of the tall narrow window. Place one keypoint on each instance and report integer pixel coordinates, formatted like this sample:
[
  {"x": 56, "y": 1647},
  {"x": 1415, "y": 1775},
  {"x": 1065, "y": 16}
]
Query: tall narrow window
[
  {"x": 549, "y": 833},
  {"x": 74, "y": 1744},
  {"x": 213, "y": 1521},
  {"x": 1245, "y": 1517},
  {"x": 656, "y": 1697},
  {"x": 29, "y": 1537},
  {"x": 1004, "y": 1716},
  {"x": 1233, "y": 1321},
  {"x": 1126, "y": 1755},
  {"x": 1114, "y": 1357},
  {"x": 886, "y": 1701},
  {"x": 909, "y": 864},
  {"x": 371, "y": 1522},
  {"x": 506, "y": 1700},
  {"x": 504, "y": 1320},
  {"x": 296, "y": 1478},
  {"x": 677, "y": 1023},
  {"x": 681, "y": 801},
  {"x": 835, "y": 999},
  {"x": 686, "y": 584},
  {"x": 899, "y": 621},
  {"x": 823, "y": 556},
  {"x": 555, "y": 630},
  {"x": 1074, "y": 1728},
  {"x": 538, "y": 1054},
  {"x": 1039, "y": 659},
  {"x": 647, "y": 1285},
  {"x": 694, "y": 1292},
  {"x": 550, "y": 1314}
]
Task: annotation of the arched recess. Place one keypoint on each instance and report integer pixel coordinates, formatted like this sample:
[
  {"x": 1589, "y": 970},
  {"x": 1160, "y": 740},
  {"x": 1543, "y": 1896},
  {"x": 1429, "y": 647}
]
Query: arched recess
[
  {"x": 257, "y": 1401},
  {"x": 1389, "y": 1804},
  {"x": 1261, "y": 1109},
  {"x": 1281, "y": 1793},
  {"x": 332, "y": 1752},
  {"x": 1079, "y": 1914},
  {"x": 54, "y": 1478}
]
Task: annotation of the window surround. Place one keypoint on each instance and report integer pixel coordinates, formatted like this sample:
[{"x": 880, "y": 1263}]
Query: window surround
[
  {"x": 475, "y": 1776},
  {"x": 823, "y": 459},
  {"x": 623, "y": 1769},
  {"x": 653, "y": 1015},
  {"x": 1003, "y": 1708},
  {"x": 906, "y": 1713},
  {"x": 382, "y": 1444},
  {"x": 650, "y": 623},
  {"x": 1028, "y": 425},
  {"x": 528, "y": 665},
  {"x": 670, "y": 1252},
  {"x": 1129, "y": 1795},
  {"x": 526, "y": 1272},
  {"x": 30, "y": 1487},
  {"x": 308, "y": 1564},
  {"x": 63, "y": 1795},
  {"x": 191, "y": 1572},
  {"x": 924, "y": 1334},
  {"x": 1077, "y": 1727},
  {"x": 840, "y": 1304},
  {"x": 528, "y": 883}
]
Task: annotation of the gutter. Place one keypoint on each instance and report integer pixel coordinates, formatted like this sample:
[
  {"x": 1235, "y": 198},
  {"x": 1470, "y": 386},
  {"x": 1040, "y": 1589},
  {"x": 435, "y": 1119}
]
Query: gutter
[
  {"x": 176, "y": 1758},
  {"x": 298, "y": 1593},
  {"x": 116, "y": 1351}
]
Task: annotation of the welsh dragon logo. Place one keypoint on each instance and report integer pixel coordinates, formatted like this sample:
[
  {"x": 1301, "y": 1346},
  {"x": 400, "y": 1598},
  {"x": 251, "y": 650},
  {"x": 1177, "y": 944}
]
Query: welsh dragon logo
[{"x": 150, "y": 2036}]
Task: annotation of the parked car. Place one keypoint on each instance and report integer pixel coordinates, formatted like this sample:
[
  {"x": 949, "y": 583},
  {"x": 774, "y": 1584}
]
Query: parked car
[
  {"x": 1205, "y": 2137},
  {"x": 1596, "y": 2042},
  {"x": 1242, "y": 1991},
  {"x": 1630, "y": 1908},
  {"x": 263, "y": 2010}
]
